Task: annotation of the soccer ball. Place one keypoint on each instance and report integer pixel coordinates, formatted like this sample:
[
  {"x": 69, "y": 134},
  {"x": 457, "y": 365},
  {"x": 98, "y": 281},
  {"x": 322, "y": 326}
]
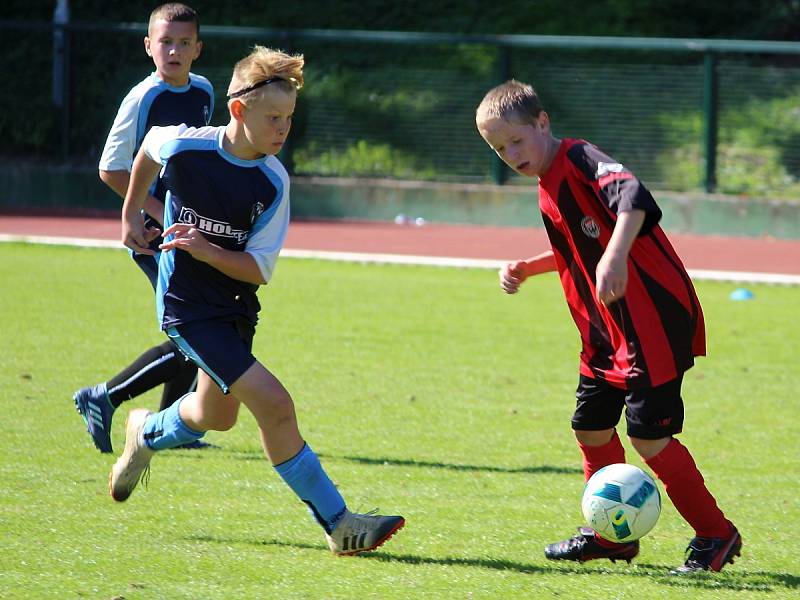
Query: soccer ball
[{"x": 621, "y": 502}]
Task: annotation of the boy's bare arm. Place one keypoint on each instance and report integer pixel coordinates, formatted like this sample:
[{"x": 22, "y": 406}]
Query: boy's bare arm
[
  {"x": 116, "y": 180},
  {"x": 134, "y": 234},
  {"x": 119, "y": 181},
  {"x": 612, "y": 269},
  {"x": 513, "y": 274},
  {"x": 237, "y": 265},
  {"x": 541, "y": 263}
]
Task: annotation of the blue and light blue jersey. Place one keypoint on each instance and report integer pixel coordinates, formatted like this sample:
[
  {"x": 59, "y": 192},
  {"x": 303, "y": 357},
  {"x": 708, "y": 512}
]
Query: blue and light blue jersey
[
  {"x": 153, "y": 102},
  {"x": 239, "y": 205}
]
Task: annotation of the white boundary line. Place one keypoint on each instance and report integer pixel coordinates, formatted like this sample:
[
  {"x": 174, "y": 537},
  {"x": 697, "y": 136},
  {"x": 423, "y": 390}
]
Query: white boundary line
[
  {"x": 395, "y": 259},
  {"x": 409, "y": 259},
  {"x": 52, "y": 240}
]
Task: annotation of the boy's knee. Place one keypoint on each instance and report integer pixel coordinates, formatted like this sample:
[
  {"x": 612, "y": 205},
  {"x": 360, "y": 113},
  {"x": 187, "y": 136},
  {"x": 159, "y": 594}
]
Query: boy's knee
[
  {"x": 593, "y": 438},
  {"x": 225, "y": 422},
  {"x": 649, "y": 448}
]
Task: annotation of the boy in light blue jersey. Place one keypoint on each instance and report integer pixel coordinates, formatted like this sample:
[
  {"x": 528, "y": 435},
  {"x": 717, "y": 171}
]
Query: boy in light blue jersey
[
  {"x": 226, "y": 218},
  {"x": 171, "y": 95}
]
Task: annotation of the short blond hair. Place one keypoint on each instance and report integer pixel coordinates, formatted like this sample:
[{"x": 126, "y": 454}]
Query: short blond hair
[
  {"x": 265, "y": 66},
  {"x": 512, "y": 100}
]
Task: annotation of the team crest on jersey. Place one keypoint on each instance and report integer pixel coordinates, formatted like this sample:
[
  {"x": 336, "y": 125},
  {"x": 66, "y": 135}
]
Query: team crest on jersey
[
  {"x": 211, "y": 226},
  {"x": 604, "y": 168},
  {"x": 590, "y": 227},
  {"x": 257, "y": 211}
]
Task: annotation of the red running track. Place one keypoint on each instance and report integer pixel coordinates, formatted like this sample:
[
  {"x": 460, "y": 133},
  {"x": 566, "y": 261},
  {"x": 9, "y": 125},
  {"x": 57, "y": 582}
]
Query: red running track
[{"x": 761, "y": 255}]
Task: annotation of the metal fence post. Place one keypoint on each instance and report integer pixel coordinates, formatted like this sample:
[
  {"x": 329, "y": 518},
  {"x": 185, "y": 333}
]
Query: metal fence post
[
  {"x": 710, "y": 119},
  {"x": 499, "y": 168},
  {"x": 61, "y": 71}
]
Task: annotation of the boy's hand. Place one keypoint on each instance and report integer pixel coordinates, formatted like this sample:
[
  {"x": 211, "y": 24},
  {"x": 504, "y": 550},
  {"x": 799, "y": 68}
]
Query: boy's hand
[
  {"x": 136, "y": 236},
  {"x": 611, "y": 275},
  {"x": 611, "y": 278},
  {"x": 511, "y": 276},
  {"x": 188, "y": 238}
]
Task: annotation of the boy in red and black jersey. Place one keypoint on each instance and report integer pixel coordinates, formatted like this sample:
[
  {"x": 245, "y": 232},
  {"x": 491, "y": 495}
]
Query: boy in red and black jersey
[
  {"x": 650, "y": 336},
  {"x": 635, "y": 307}
]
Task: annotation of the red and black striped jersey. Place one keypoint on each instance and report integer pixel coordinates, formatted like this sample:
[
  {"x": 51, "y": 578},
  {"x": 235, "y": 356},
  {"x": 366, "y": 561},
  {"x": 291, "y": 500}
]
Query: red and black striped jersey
[{"x": 654, "y": 332}]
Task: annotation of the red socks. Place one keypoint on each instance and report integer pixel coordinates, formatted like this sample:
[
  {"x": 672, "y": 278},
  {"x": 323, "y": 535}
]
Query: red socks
[
  {"x": 676, "y": 469},
  {"x": 684, "y": 484},
  {"x": 597, "y": 457}
]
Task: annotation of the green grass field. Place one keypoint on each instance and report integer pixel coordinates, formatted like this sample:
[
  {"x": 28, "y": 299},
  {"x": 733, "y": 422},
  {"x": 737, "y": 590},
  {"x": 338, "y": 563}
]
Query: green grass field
[{"x": 425, "y": 391}]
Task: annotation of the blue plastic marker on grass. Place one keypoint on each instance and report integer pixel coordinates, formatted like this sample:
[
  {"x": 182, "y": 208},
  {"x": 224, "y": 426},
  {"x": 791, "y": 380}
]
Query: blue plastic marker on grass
[{"x": 742, "y": 294}]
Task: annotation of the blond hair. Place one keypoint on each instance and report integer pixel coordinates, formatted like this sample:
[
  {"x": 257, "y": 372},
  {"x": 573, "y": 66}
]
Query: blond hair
[
  {"x": 511, "y": 100},
  {"x": 265, "y": 66}
]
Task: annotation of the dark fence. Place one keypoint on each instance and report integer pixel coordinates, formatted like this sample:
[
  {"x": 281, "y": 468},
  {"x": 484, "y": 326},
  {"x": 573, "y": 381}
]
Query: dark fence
[{"x": 684, "y": 114}]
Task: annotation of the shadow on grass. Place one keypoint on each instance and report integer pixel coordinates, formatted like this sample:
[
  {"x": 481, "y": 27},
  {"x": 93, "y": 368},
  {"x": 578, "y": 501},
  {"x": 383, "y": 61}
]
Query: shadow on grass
[
  {"x": 425, "y": 464},
  {"x": 401, "y": 462},
  {"x": 760, "y": 581}
]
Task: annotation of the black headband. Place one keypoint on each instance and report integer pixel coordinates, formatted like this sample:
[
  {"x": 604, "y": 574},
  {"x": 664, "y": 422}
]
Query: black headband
[{"x": 255, "y": 86}]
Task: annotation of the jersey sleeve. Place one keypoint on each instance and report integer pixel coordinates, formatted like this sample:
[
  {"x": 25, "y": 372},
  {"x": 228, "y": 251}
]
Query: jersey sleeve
[
  {"x": 157, "y": 138},
  {"x": 121, "y": 141},
  {"x": 614, "y": 184},
  {"x": 269, "y": 231}
]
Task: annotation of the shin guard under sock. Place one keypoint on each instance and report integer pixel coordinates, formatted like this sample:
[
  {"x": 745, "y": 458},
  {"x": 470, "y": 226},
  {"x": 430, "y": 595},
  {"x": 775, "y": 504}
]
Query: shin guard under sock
[
  {"x": 597, "y": 457},
  {"x": 684, "y": 484},
  {"x": 304, "y": 474}
]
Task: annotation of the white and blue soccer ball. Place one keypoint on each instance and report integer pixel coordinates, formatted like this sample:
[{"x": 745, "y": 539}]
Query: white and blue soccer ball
[{"x": 621, "y": 502}]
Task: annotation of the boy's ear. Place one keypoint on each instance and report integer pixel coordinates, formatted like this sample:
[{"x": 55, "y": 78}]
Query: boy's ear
[
  {"x": 147, "y": 46},
  {"x": 198, "y": 48},
  {"x": 543, "y": 120},
  {"x": 237, "y": 108}
]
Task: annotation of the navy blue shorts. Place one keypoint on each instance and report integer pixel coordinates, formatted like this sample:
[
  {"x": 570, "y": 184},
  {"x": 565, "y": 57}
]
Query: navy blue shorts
[
  {"x": 221, "y": 347},
  {"x": 651, "y": 413},
  {"x": 146, "y": 262}
]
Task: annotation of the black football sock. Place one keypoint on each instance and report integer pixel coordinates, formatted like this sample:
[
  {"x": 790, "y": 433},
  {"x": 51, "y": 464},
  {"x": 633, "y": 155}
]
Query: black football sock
[
  {"x": 156, "y": 366},
  {"x": 181, "y": 384}
]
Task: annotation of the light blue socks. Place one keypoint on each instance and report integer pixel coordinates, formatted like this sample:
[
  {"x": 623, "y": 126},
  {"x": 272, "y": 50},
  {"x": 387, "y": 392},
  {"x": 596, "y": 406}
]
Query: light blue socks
[
  {"x": 166, "y": 429},
  {"x": 303, "y": 472},
  {"x": 308, "y": 480}
]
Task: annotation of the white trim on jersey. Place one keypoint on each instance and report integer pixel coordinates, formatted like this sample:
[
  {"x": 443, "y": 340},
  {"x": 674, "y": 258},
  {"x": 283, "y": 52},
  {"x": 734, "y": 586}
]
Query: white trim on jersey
[
  {"x": 121, "y": 141},
  {"x": 158, "y": 137},
  {"x": 269, "y": 231}
]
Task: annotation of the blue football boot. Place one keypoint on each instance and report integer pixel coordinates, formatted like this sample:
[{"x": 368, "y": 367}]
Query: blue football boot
[{"x": 96, "y": 409}]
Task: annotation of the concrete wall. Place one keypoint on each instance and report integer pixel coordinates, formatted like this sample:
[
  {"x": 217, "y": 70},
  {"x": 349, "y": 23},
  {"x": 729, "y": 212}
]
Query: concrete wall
[{"x": 58, "y": 189}]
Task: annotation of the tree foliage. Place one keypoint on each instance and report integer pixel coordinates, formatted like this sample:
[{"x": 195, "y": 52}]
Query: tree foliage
[{"x": 736, "y": 19}]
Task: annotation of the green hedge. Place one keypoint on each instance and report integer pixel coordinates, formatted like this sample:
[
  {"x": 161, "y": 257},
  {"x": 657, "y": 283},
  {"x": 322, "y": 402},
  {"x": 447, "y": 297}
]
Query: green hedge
[{"x": 405, "y": 111}]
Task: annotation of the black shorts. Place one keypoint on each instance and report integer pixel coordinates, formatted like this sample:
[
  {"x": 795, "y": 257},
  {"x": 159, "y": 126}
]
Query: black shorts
[
  {"x": 651, "y": 413},
  {"x": 221, "y": 347}
]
